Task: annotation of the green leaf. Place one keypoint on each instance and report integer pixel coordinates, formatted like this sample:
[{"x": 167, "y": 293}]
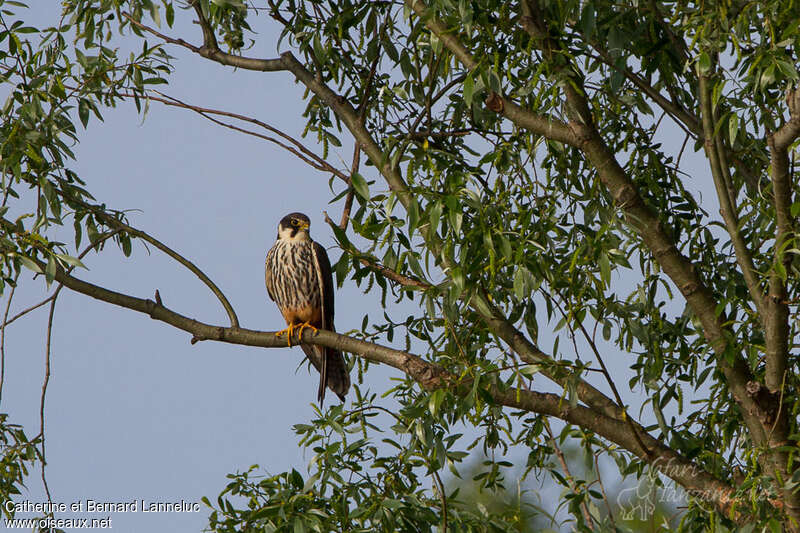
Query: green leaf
[
  {"x": 435, "y": 215},
  {"x": 587, "y": 23},
  {"x": 170, "y": 14},
  {"x": 83, "y": 111},
  {"x": 733, "y": 127},
  {"x": 155, "y": 14},
  {"x": 703, "y": 63},
  {"x": 469, "y": 87},
  {"x": 125, "y": 242},
  {"x": 458, "y": 281},
  {"x": 296, "y": 479},
  {"x": 71, "y": 261},
  {"x": 435, "y": 401},
  {"x": 50, "y": 270},
  {"x": 530, "y": 370},
  {"x": 310, "y": 483},
  {"x": 360, "y": 185},
  {"x": 413, "y": 216},
  {"x": 29, "y": 264},
  {"x": 605, "y": 268},
  {"x": 391, "y": 503},
  {"x": 481, "y": 304}
]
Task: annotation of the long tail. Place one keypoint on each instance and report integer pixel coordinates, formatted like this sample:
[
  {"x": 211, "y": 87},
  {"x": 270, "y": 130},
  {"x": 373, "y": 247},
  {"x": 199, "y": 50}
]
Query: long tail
[
  {"x": 323, "y": 379},
  {"x": 332, "y": 370}
]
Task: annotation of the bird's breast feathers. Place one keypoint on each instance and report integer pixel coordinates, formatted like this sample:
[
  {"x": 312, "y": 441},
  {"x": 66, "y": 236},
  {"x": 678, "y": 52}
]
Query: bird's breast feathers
[{"x": 291, "y": 275}]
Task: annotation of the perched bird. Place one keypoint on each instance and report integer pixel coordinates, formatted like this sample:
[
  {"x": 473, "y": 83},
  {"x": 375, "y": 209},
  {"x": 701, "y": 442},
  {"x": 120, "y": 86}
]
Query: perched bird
[{"x": 299, "y": 280}]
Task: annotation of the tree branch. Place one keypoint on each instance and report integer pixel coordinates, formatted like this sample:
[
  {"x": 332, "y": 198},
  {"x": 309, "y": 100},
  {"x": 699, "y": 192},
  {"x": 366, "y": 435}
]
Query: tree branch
[
  {"x": 430, "y": 377},
  {"x": 213, "y": 52},
  {"x": 676, "y": 111},
  {"x": 540, "y": 124},
  {"x": 711, "y": 144},
  {"x": 683, "y": 117},
  {"x": 777, "y": 318},
  {"x": 790, "y": 131},
  {"x": 303, "y": 153},
  {"x": 777, "y": 330},
  {"x": 119, "y": 225},
  {"x": 386, "y": 272},
  {"x": 677, "y": 267}
]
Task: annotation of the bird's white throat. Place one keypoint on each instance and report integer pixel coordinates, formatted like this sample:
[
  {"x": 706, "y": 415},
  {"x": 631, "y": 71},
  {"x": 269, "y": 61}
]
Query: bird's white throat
[{"x": 285, "y": 234}]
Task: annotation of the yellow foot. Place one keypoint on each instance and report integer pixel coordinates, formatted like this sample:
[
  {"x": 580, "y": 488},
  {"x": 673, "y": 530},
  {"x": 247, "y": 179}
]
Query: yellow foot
[
  {"x": 288, "y": 332},
  {"x": 303, "y": 326},
  {"x": 291, "y": 328}
]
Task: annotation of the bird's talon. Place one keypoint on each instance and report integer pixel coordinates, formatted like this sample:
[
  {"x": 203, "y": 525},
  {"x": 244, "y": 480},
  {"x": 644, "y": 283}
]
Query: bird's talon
[
  {"x": 288, "y": 332},
  {"x": 303, "y": 326}
]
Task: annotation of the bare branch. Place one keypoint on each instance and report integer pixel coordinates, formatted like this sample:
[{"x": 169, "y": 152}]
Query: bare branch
[
  {"x": 25, "y": 311},
  {"x": 119, "y": 225},
  {"x": 303, "y": 153},
  {"x": 45, "y": 382},
  {"x": 213, "y": 53}
]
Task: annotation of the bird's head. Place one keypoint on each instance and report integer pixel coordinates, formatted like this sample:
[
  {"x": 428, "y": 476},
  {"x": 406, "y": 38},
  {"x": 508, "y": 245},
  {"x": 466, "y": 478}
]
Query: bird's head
[{"x": 294, "y": 227}]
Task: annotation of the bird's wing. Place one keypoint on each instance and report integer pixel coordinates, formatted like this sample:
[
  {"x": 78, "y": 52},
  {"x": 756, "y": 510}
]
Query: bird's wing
[
  {"x": 268, "y": 273},
  {"x": 322, "y": 265},
  {"x": 325, "y": 278}
]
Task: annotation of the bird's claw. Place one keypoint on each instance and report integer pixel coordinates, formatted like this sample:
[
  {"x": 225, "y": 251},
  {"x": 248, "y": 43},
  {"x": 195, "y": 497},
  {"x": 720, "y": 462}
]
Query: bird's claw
[
  {"x": 290, "y": 329},
  {"x": 288, "y": 332},
  {"x": 303, "y": 326}
]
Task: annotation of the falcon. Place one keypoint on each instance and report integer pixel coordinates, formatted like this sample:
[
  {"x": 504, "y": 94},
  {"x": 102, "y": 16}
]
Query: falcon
[{"x": 299, "y": 281}]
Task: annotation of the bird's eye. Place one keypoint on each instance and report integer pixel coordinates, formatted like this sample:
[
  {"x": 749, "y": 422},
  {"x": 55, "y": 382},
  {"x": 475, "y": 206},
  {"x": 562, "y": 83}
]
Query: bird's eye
[{"x": 295, "y": 223}]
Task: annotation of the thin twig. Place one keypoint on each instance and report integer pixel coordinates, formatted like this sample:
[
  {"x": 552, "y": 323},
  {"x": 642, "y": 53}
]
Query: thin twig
[
  {"x": 603, "y": 492},
  {"x": 307, "y": 155},
  {"x": 603, "y": 369},
  {"x": 46, "y": 381},
  {"x": 3, "y": 337},
  {"x": 24, "y": 312},
  {"x": 48, "y": 345},
  {"x": 443, "y": 497},
  {"x": 568, "y": 475},
  {"x": 119, "y": 225},
  {"x": 303, "y": 153}
]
